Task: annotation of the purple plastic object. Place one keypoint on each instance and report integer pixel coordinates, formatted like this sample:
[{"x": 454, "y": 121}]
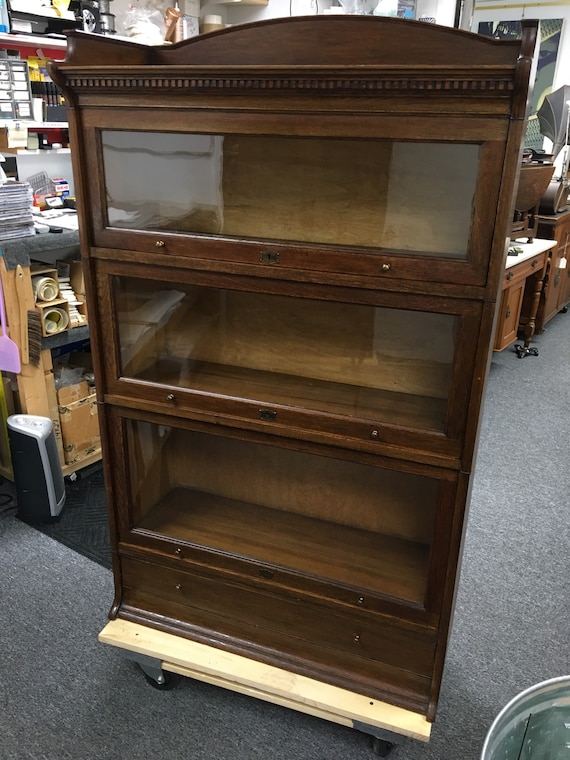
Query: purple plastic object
[{"x": 9, "y": 351}]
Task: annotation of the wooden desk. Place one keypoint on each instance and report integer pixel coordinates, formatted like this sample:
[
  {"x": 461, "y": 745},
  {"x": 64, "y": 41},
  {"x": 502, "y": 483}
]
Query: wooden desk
[
  {"x": 556, "y": 293},
  {"x": 523, "y": 279}
]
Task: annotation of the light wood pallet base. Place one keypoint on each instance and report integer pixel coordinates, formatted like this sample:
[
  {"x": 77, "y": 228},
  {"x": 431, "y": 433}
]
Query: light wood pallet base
[{"x": 271, "y": 684}]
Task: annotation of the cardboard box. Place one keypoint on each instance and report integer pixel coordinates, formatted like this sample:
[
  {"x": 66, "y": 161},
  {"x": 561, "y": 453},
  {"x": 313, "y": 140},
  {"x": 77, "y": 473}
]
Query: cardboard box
[
  {"x": 76, "y": 278},
  {"x": 60, "y": 186},
  {"x": 63, "y": 267},
  {"x": 53, "y": 405},
  {"x": 13, "y": 137},
  {"x": 70, "y": 394},
  {"x": 72, "y": 270},
  {"x": 80, "y": 429},
  {"x": 82, "y": 308}
]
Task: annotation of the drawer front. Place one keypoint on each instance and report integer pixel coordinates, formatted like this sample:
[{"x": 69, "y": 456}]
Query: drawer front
[
  {"x": 303, "y": 626},
  {"x": 523, "y": 270},
  {"x": 294, "y": 261}
]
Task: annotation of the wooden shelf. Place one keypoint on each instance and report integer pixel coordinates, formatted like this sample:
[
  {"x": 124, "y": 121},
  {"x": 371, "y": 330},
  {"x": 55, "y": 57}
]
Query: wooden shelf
[
  {"x": 244, "y": 2},
  {"x": 386, "y": 565},
  {"x": 66, "y": 337},
  {"x": 26, "y": 152},
  {"x": 44, "y": 124},
  {"x": 424, "y": 412},
  {"x": 29, "y": 124},
  {"x": 34, "y": 41}
]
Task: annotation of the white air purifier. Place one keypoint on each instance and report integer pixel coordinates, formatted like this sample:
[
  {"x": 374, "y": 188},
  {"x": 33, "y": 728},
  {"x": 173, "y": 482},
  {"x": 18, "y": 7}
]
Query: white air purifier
[{"x": 38, "y": 477}]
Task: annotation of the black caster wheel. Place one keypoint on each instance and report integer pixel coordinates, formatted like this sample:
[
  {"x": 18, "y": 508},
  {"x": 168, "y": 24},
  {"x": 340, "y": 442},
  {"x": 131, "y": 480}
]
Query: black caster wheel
[
  {"x": 381, "y": 747},
  {"x": 522, "y": 351},
  {"x": 168, "y": 681}
]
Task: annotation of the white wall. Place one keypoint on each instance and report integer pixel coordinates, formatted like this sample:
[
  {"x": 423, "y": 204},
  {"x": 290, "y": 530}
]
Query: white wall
[{"x": 442, "y": 10}]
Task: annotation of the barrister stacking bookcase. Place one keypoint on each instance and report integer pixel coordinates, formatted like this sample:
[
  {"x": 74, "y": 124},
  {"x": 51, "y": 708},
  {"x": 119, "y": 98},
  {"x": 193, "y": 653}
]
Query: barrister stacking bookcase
[{"x": 294, "y": 234}]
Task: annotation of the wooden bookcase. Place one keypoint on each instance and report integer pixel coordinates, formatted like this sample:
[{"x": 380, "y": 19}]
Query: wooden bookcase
[{"x": 295, "y": 233}]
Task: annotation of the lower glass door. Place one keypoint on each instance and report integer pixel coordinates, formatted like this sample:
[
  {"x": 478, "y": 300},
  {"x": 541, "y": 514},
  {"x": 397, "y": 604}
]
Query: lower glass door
[{"x": 349, "y": 523}]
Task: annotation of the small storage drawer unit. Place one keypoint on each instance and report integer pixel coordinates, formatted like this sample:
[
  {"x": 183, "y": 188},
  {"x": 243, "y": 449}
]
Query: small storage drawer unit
[
  {"x": 15, "y": 92},
  {"x": 294, "y": 233}
]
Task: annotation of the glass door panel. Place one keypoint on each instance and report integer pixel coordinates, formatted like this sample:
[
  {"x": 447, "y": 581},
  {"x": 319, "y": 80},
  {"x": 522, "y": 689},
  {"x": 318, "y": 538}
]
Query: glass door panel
[
  {"x": 377, "y": 195},
  {"x": 356, "y": 360},
  {"x": 283, "y": 507}
]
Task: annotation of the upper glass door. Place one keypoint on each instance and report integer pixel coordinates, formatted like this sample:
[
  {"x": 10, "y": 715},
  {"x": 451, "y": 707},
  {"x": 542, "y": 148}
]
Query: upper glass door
[{"x": 373, "y": 195}]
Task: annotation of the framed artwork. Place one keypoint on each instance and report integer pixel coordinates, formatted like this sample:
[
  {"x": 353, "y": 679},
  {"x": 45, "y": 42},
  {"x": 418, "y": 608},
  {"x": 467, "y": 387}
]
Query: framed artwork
[{"x": 550, "y": 31}]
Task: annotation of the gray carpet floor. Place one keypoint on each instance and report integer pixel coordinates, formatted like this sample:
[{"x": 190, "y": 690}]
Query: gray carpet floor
[
  {"x": 83, "y": 524},
  {"x": 65, "y": 696}
]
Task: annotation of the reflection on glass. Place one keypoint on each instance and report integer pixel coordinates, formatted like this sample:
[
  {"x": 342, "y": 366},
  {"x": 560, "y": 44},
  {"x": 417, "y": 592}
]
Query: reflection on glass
[
  {"x": 408, "y": 197},
  {"x": 282, "y": 507},
  {"x": 369, "y": 362}
]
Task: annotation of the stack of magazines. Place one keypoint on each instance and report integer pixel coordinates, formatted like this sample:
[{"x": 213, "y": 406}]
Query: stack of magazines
[{"x": 16, "y": 218}]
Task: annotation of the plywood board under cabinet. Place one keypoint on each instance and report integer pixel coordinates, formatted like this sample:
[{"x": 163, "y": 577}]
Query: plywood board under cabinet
[{"x": 263, "y": 681}]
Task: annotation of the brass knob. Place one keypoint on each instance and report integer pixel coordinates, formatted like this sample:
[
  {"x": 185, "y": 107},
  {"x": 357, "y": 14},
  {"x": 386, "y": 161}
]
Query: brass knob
[
  {"x": 160, "y": 243},
  {"x": 386, "y": 267},
  {"x": 170, "y": 397},
  {"x": 374, "y": 434}
]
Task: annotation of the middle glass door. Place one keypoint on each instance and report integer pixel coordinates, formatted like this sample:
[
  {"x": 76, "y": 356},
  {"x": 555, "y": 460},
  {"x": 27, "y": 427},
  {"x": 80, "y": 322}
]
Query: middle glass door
[
  {"x": 340, "y": 358},
  {"x": 323, "y": 364}
]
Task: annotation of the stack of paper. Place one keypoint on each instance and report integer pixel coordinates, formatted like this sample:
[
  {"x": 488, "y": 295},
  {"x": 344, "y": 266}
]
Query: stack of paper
[
  {"x": 66, "y": 291},
  {"x": 16, "y": 219}
]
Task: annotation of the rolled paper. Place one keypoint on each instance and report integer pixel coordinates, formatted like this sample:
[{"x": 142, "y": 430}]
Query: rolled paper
[
  {"x": 55, "y": 320},
  {"x": 45, "y": 288}
]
